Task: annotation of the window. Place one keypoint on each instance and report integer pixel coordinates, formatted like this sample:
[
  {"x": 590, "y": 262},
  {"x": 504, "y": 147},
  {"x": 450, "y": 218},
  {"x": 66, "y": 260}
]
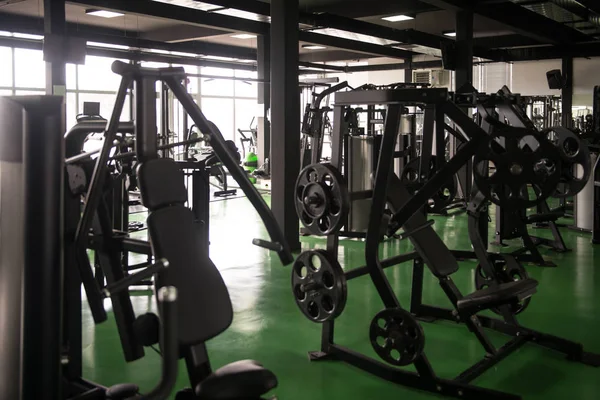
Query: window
[
  {"x": 220, "y": 112},
  {"x": 30, "y": 70},
  {"x": 216, "y": 86},
  {"x": 71, "y": 76},
  {"x": 6, "y": 92},
  {"x": 6, "y": 66},
  {"x": 71, "y": 105},
  {"x": 246, "y": 88},
  {"x": 107, "y": 103},
  {"x": 245, "y": 114},
  {"x": 30, "y": 92},
  {"x": 96, "y": 74}
]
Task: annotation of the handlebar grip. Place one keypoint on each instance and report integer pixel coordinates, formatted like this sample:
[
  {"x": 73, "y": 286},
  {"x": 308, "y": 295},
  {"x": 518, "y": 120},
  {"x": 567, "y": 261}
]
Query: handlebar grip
[
  {"x": 121, "y": 68},
  {"x": 167, "y": 299}
]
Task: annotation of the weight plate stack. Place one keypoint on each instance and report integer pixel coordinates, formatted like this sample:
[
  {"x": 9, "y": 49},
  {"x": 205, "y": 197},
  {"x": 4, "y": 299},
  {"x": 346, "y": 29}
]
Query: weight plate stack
[
  {"x": 518, "y": 159},
  {"x": 319, "y": 285},
  {"x": 576, "y": 161},
  {"x": 322, "y": 202},
  {"x": 397, "y": 337}
]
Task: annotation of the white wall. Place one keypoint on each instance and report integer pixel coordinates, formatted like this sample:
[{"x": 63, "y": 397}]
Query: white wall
[
  {"x": 529, "y": 78},
  {"x": 586, "y": 75}
]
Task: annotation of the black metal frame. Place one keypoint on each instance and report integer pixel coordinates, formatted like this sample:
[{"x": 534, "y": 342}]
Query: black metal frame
[{"x": 425, "y": 378}]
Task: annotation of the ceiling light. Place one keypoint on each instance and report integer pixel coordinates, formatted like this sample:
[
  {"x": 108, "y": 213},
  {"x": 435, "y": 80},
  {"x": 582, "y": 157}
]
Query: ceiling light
[
  {"x": 398, "y": 18},
  {"x": 451, "y": 34},
  {"x": 313, "y": 47},
  {"x": 243, "y": 36},
  {"x": 103, "y": 13}
]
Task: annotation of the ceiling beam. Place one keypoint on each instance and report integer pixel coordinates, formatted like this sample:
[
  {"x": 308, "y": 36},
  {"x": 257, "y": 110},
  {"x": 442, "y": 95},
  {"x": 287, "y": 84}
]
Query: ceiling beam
[
  {"x": 504, "y": 41},
  {"x": 519, "y": 19},
  {"x": 332, "y": 55},
  {"x": 580, "y": 50},
  {"x": 409, "y": 36},
  {"x": 203, "y": 18},
  {"x": 183, "y": 14},
  {"x": 367, "y": 8},
  {"x": 354, "y": 45},
  {"x": 34, "y": 25}
]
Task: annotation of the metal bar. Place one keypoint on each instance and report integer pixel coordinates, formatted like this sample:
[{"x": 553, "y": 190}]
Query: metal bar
[
  {"x": 285, "y": 138},
  {"x": 264, "y": 98},
  {"x": 354, "y": 45},
  {"x": 133, "y": 279},
  {"x": 407, "y": 66},
  {"x": 94, "y": 194},
  {"x": 145, "y": 128},
  {"x": 387, "y": 263},
  {"x": 489, "y": 361},
  {"x": 567, "y": 92},
  {"x": 385, "y": 167}
]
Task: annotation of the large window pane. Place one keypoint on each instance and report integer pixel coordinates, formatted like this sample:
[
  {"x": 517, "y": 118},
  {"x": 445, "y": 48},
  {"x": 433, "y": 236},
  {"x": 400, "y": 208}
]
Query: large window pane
[
  {"x": 6, "y": 66},
  {"x": 5, "y": 92},
  {"x": 246, "y": 88},
  {"x": 245, "y": 113},
  {"x": 71, "y": 76},
  {"x": 96, "y": 74},
  {"x": 30, "y": 92},
  {"x": 220, "y": 112},
  {"x": 30, "y": 70},
  {"x": 216, "y": 86},
  {"x": 71, "y": 110},
  {"x": 107, "y": 103}
]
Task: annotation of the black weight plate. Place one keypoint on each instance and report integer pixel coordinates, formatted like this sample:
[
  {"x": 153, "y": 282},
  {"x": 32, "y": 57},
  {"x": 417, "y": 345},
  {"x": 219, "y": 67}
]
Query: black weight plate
[
  {"x": 574, "y": 153},
  {"x": 397, "y": 337},
  {"x": 322, "y": 202},
  {"x": 443, "y": 198},
  {"x": 319, "y": 285},
  {"x": 526, "y": 158}
]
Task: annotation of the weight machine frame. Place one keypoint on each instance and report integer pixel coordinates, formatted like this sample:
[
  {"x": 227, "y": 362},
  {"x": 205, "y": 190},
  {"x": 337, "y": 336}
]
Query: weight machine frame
[{"x": 425, "y": 377}]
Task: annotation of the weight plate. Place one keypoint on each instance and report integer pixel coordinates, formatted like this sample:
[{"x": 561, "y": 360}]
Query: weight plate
[
  {"x": 319, "y": 285},
  {"x": 521, "y": 159},
  {"x": 576, "y": 161},
  {"x": 321, "y": 199},
  {"x": 445, "y": 195},
  {"x": 507, "y": 269},
  {"x": 397, "y": 337}
]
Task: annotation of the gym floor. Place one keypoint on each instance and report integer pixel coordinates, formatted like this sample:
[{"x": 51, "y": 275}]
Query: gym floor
[{"x": 269, "y": 328}]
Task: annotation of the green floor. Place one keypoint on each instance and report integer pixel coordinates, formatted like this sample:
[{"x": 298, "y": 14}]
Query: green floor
[{"x": 268, "y": 327}]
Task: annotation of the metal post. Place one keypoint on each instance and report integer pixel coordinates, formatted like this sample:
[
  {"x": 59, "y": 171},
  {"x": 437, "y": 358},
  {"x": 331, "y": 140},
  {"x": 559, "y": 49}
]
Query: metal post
[
  {"x": 464, "y": 48},
  {"x": 264, "y": 98},
  {"x": 145, "y": 128},
  {"x": 567, "y": 92},
  {"x": 43, "y": 156},
  {"x": 285, "y": 140},
  {"x": 56, "y": 77}
]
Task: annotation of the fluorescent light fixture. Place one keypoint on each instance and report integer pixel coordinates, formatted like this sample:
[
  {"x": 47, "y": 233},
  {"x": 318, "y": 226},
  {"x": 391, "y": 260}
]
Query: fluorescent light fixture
[
  {"x": 28, "y": 36},
  {"x": 243, "y": 36},
  {"x": 103, "y": 13},
  {"x": 451, "y": 34},
  {"x": 398, "y": 18},
  {"x": 313, "y": 47}
]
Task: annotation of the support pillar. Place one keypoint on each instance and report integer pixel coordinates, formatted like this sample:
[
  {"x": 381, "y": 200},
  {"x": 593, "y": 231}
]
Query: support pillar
[
  {"x": 55, "y": 38},
  {"x": 464, "y": 48},
  {"x": 285, "y": 116},
  {"x": 567, "y": 92},
  {"x": 409, "y": 71},
  {"x": 263, "y": 147}
]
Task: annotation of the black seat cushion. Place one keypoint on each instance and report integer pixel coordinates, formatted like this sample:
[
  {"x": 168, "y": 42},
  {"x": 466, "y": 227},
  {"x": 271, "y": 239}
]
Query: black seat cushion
[
  {"x": 246, "y": 379},
  {"x": 161, "y": 183},
  {"x": 506, "y": 293},
  {"x": 204, "y": 306}
]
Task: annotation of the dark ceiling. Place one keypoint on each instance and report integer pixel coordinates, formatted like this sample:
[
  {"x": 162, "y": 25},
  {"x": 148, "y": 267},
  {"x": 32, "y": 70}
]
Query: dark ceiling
[{"x": 504, "y": 30}]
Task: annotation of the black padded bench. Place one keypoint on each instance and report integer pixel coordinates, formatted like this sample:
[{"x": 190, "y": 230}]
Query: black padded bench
[{"x": 204, "y": 305}]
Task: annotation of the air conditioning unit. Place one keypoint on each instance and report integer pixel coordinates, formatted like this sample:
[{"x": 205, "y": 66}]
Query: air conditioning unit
[{"x": 436, "y": 78}]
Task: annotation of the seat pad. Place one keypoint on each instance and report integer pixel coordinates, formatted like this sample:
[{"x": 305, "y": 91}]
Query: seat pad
[
  {"x": 506, "y": 293},
  {"x": 245, "y": 379}
]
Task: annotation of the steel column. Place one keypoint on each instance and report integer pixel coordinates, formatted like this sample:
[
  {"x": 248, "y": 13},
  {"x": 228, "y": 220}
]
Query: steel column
[
  {"x": 285, "y": 113},
  {"x": 464, "y": 48},
  {"x": 567, "y": 92},
  {"x": 55, "y": 28},
  {"x": 264, "y": 98}
]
